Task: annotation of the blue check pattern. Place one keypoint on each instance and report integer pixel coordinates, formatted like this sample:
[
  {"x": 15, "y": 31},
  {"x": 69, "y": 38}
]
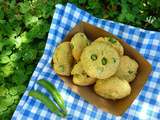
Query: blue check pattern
[{"x": 145, "y": 107}]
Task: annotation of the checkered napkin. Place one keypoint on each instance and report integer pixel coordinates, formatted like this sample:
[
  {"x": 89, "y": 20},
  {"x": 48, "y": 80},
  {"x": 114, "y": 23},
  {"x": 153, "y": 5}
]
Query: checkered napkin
[{"x": 145, "y": 107}]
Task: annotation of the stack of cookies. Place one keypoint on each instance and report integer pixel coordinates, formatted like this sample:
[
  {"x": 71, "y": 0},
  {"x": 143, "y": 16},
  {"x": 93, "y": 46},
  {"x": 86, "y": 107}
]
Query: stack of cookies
[{"x": 101, "y": 63}]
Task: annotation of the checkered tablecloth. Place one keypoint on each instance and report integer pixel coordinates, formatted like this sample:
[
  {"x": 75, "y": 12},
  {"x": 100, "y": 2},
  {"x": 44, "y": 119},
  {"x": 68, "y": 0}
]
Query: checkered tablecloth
[{"x": 145, "y": 107}]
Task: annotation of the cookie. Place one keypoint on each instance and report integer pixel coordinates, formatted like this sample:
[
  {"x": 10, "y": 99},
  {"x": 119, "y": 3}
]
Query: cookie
[
  {"x": 113, "y": 42},
  {"x": 112, "y": 88},
  {"x": 80, "y": 77},
  {"x": 77, "y": 69},
  {"x": 100, "y": 39},
  {"x": 78, "y": 42},
  {"x": 100, "y": 60},
  {"x": 62, "y": 59},
  {"x": 127, "y": 69}
]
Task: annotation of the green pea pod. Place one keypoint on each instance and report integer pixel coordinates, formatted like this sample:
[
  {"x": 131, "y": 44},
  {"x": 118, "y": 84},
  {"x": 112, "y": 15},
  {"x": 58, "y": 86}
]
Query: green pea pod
[
  {"x": 46, "y": 101},
  {"x": 55, "y": 94}
]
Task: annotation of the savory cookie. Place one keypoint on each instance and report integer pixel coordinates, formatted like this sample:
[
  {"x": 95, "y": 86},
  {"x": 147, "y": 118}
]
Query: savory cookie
[
  {"x": 127, "y": 69},
  {"x": 100, "y": 60},
  {"x": 100, "y": 39},
  {"x": 113, "y": 42},
  {"x": 112, "y": 88},
  {"x": 78, "y": 42},
  {"x": 62, "y": 59},
  {"x": 80, "y": 77},
  {"x": 77, "y": 69}
]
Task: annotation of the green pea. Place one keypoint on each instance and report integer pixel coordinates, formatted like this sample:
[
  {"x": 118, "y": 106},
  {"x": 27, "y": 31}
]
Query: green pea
[
  {"x": 114, "y": 60},
  {"x": 61, "y": 67},
  {"x": 72, "y": 46},
  {"x": 130, "y": 72},
  {"x": 104, "y": 61},
  {"x": 112, "y": 40},
  {"x": 88, "y": 43},
  {"x": 82, "y": 35},
  {"x": 93, "y": 57}
]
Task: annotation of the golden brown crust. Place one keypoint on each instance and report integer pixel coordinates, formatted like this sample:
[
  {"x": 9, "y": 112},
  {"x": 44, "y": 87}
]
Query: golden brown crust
[
  {"x": 113, "y": 42},
  {"x": 100, "y": 60},
  {"x": 80, "y": 77},
  {"x": 127, "y": 69},
  {"x": 62, "y": 59},
  {"x": 78, "y": 42},
  {"x": 112, "y": 88}
]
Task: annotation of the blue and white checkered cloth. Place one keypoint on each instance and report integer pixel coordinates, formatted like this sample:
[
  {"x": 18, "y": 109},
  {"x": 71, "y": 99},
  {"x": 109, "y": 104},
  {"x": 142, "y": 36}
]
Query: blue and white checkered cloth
[{"x": 145, "y": 107}]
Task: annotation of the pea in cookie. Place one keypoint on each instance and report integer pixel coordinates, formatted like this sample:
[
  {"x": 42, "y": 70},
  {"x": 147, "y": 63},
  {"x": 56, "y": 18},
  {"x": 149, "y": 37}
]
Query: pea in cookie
[
  {"x": 127, "y": 69},
  {"x": 62, "y": 59},
  {"x": 78, "y": 42},
  {"x": 113, "y": 42},
  {"x": 112, "y": 88},
  {"x": 80, "y": 77},
  {"x": 100, "y": 60}
]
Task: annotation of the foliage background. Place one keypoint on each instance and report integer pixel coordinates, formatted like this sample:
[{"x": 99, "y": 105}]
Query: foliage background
[{"x": 24, "y": 25}]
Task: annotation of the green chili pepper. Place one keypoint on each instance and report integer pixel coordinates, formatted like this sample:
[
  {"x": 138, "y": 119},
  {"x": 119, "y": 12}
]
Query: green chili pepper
[
  {"x": 46, "y": 101},
  {"x": 55, "y": 94}
]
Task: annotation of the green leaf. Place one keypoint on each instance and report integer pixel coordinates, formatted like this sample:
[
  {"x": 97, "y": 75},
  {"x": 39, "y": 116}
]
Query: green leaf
[
  {"x": 156, "y": 23},
  {"x": 29, "y": 56},
  {"x": 19, "y": 66},
  {"x": 1, "y": 45},
  {"x": 4, "y": 59},
  {"x": 130, "y": 17},
  {"x": 39, "y": 30},
  {"x": 1, "y": 13},
  {"x": 7, "y": 69},
  {"x": 6, "y": 42},
  {"x": 7, "y": 101},
  {"x": 29, "y": 70},
  {"x": 12, "y": 4},
  {"x": 13, "y": 91},
  {"x": 18, "y": 42},
  {"x": 155, "y": 3},
  {"x": 18, "y": 30},
  {"x": 24, "y": 38},
  {"x": 59, "y": 1},
  {"x": 41, "y": 45},
  {"x": 6, "y": 29},
  {"x": 19, "y": 77},
  {"x": 7, "y": 51},
  {"x": 21, "y": 89},
  {"x": 24, "y": 7},
  {"x": 1, "y": 78},
  {"x": 82, "y": 1},
  {"x": 3, "y": 91},
  {"x": 43, "y": 9},
  {"x": 16, "y": 99},
  {"x": 3, "y": 107},
  {"x": 30, "y": 20},
  {"x": 15, "y": 56}
]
